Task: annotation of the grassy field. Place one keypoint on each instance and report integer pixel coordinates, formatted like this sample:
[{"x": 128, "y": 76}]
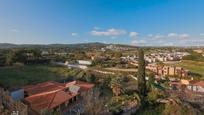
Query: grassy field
[
  {"x": 193, "y": 66},
  {"x": 15, "y": 77}
]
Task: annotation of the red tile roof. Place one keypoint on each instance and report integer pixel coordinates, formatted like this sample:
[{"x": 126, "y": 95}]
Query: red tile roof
[
  {"x": 61, "y": 97},
  {"x": 50, "y": 94},
  {"x": 199, "y": 83},
  {"x": 49, "y": 86},
  {"x": 175, "y": 83},
  {"x": 191, "y": 82},
  {"x": 40, "y": 102}
]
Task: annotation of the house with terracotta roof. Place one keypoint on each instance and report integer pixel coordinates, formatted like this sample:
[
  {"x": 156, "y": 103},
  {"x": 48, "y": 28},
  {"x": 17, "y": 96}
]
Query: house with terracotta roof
[
  {"x": 57, "y": 97},
  {"x": 188, "y": 85},
  {"x": 196, "y": 86}
]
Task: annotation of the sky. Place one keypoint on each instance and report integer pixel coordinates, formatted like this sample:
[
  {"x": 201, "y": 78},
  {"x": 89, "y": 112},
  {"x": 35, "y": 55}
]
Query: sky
[{"x": 132, "y": 22}]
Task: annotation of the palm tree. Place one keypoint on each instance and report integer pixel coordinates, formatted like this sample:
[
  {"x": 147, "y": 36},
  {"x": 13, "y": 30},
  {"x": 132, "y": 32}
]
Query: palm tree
[
  {"x": 85, "y": 75},
  {"x": 116, "y": 87},
  {"x": 137, "y": 98},
  {"x": 80, "y": 75}
]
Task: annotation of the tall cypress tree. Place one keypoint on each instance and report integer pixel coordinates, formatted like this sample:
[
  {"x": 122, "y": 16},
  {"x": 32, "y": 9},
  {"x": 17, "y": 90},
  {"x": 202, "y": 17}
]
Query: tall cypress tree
[{"x": 141, "y": 74}]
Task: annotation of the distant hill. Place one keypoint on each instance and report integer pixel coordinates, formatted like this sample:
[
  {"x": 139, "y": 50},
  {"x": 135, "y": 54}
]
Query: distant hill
[
  {"x": 7, "y": 45},
  {"x": 80, "y": 45}
]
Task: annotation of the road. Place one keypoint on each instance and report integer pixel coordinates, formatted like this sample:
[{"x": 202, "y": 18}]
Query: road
[{"x": 121, "y": 70}]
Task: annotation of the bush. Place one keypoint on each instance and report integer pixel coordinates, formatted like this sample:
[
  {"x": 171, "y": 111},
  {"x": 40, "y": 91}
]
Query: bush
[
  {"x": 18, "y": 64},
  {"x": 154, "y": 95}
]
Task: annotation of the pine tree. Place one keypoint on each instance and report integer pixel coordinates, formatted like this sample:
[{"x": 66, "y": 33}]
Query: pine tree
[{"x": 141, "y": 74}]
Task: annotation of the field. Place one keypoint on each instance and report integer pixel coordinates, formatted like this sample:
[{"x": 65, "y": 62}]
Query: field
[
  {"x": 15, "y": 77},
  {"x": 193, "y": 66}
]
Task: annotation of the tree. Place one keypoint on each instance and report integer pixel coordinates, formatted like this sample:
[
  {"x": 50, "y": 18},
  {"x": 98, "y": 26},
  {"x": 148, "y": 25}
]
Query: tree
[
  {"x": 81, "y": 75},
  {"x": 115, "y": 85},
  {"x": 20, "y": 56},
  {"x": 3, "y": 57},
  {"x": 150, "y": 81},
  {"x": 153, "y": 95},
  {"x": 141, "y": 74},
  {"x": 117, "y": 54},
  {"x": 94, "y": 103},
  {"x": 178, "y": 107},
  {"x": 137, "y": 97},
  {"x": 86, "y": 75},
  {"x": 10, "y": 58}
]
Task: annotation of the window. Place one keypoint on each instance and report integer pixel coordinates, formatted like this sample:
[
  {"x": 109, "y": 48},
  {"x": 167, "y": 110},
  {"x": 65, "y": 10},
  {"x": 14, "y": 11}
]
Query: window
[{"x": 194, "y": 88}]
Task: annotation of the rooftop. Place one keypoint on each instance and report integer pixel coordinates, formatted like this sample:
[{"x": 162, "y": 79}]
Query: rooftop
[
  {"x": 50, "y": 94},
  {"x": 187, "y": 82}
]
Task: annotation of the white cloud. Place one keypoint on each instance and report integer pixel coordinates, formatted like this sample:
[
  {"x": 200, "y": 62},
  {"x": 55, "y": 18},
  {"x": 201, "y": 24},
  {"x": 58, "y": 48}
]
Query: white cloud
[
  {"x": 74, "y": 34},
  {"x": 202, "y": 34},
  {"x": 138, "y": 42},
  {"x": 169, "y": 39},
  {"x": 184, "y": 36},
  {"x": 158, "y": 36},
  {"x": 109, "y": 32},
  {"x": 133, "y": 34},
  {"x": 134, "y": 42},
  {"x": 150, "y": 35},
  {"x": 169, "y": 35},
  {"x": 172, "y": 35}
]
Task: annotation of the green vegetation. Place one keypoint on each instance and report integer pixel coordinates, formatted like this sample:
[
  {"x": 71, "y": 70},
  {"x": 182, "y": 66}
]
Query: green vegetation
[
  {"x": 118, "y": 103},
  {"x": 141, "y": 74},
  {"x": 196, "y": 67},
  {"x": 116, "y": 92},
  {"x": 18, "y": 76},
  {"x": 116, "y": 86},
  {"x": 152, "y": 110},
  {"x": 194, "y": 57},
  {"x": 150, "y": 81},
  {"x": 178, "y": 108},
  {"x": 153, "y": 95}
]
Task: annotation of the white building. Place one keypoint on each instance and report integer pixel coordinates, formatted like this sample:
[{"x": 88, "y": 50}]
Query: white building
[
  {"x": 84, "y": 62},
  {"x": 77, "y": 66}
]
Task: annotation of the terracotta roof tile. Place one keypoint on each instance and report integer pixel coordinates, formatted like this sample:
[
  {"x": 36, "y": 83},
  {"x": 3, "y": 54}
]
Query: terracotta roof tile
[
  {"x": 40, "y": 102},
  {"x": 43, "y": 87},
  {"x": 60, "y": 98},
  {"x": 200, "y": 83},
  {"x": 50, "y": 94}
]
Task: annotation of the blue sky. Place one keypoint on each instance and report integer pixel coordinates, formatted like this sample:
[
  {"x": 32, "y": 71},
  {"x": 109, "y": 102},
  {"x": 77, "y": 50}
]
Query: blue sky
[{"x": 134, "y": 22}]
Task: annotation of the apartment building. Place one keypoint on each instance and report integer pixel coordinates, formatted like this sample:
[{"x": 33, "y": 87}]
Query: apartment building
[
  {"x": 163, "y": 57},
  {"x": 168, "y": 70}
]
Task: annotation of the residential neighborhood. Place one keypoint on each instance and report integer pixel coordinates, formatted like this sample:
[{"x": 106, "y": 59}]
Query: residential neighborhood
[{"x": 101, "y": 57}]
